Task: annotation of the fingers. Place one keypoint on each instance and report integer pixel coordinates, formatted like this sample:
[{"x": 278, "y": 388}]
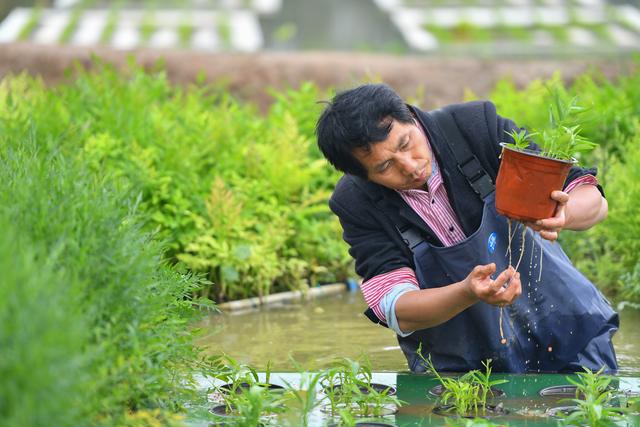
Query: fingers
[
  {"x": 507, "y": 287},
  {"x": 503, "y": 278},
  {"x": 557, "y": 222},
  {"x": 514, "y": 290},
  {"x": 560, "y": 196},
  {"x": 483, "y": 271},
  {"x": 552, "y": 224},
  {"x": 551, "y": 236},
  {"x": 504, "y": 290}
]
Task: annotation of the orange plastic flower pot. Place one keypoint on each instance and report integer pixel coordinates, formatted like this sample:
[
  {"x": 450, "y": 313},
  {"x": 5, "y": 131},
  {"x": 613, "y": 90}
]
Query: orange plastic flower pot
[{"x": 525, "y": 182}]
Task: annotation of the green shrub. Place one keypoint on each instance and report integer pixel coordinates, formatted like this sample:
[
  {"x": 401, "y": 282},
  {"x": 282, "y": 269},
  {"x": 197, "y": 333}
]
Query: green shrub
[
  {"x": 238, "y": 196},
  {"x": 42, "y": 333},
  {"x": 94, "y": 323},
  {"x": 241, "y": 197},
  {"x": 610, "y": 252}
]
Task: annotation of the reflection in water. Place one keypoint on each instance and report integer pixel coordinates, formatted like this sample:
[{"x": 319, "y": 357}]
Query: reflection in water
[{"x": 316, "y": 332}]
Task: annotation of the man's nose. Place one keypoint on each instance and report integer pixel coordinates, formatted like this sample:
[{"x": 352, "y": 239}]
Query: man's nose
[{"x": 408, "y": 165}]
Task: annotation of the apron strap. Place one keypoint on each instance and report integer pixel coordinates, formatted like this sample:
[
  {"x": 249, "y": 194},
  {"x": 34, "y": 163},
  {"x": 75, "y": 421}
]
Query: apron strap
[{"x": 468, "y": 163}]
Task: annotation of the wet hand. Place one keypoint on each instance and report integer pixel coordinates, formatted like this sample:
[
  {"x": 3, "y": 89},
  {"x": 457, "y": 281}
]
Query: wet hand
[
  {"x": 550, "y": 228},
  {"x": 504, "y": 290}
]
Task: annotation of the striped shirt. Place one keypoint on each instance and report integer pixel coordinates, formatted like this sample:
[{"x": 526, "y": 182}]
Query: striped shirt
[{"x": 432, "y": 205}]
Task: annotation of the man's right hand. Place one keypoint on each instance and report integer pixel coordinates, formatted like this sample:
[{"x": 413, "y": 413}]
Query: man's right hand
[
  {"x": 499, "y": 292},
  {"x": 426, "y": 308}
]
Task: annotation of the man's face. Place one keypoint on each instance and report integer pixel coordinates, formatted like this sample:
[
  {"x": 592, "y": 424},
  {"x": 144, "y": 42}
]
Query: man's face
[{"x": 400, "y": 162}]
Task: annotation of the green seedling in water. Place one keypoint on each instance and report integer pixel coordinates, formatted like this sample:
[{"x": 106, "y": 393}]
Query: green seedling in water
[
  {"x": 255, "y": 405},
  {"x": 347, "y": 386},
  {"x": 303, "y": 397},
  {"x": 243, "y": 392},
  {"x": 593, "y": 401},
  {"x": 485, "y": 382},
  {"x": 346, "y": 419},
  {"x": 468, "y": 393}
]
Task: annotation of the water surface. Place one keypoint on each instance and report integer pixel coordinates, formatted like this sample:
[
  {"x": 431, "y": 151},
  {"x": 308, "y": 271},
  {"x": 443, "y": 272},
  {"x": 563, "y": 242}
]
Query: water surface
[{"x": 316, "y": 332}]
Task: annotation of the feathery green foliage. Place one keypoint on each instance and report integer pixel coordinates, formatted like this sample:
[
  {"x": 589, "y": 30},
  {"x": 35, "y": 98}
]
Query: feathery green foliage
[
  {"x": 94, "y": 321},
  {"x": 236, "y": 195}
]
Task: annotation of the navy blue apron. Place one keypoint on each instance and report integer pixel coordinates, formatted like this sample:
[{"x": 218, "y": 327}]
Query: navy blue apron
[{"x": 559, "y": 316}]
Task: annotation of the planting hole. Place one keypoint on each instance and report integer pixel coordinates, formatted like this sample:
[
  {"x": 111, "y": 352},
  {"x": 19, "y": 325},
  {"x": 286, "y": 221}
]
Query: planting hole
[{"x": 559, "y": 391}]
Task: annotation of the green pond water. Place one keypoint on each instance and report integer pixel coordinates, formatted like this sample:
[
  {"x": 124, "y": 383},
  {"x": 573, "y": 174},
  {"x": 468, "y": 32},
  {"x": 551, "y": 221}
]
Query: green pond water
[{"x": 316, "y": 332}]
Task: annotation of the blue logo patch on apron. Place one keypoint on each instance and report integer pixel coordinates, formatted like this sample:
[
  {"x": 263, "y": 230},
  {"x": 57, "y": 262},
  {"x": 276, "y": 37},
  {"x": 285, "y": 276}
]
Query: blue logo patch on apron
[{"x": 491, "y": 242}]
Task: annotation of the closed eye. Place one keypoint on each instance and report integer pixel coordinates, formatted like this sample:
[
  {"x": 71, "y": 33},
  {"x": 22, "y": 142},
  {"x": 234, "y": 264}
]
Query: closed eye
[{"x": 384, "y": 167}]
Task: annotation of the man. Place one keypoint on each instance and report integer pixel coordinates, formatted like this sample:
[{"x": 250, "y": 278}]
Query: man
[{"x": 417, "y": 208}]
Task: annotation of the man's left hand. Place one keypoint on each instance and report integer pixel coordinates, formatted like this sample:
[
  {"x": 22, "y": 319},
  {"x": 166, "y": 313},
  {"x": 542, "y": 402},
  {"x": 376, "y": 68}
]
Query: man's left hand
[{"x": 550, "y": 228}]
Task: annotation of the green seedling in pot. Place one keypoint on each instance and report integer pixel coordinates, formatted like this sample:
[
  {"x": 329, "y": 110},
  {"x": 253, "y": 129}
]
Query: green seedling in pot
[
  {"x": 521, "y": 139},
  {"x": 257, "y": 406},
  {"x": 242, "y": 391},
  {"x": 593, "y": 401},
  {"x": 346, "y": 419},
  {"x": 524, "y": 170},
  {"x": 591, "y": 385},
  {"x": 347, "y": 386},
  {"x": 303, "y": 397},
  {"x": 467, "y": 394},
  {"x": 485, "y": 382},
  {"x": 342, "y": 381},
  {"x": 561, "y": 139},
  {"x": 375, "y": 402}
]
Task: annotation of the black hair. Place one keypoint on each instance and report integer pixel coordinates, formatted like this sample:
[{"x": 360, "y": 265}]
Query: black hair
[{"x": 358, "y": 118}]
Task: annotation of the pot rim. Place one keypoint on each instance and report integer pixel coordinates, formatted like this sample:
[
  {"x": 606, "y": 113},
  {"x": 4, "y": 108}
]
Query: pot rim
[{"x": 508, "y": 146}]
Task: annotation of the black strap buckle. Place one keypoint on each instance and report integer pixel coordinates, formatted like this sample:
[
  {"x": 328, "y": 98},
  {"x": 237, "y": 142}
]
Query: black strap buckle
[
  {"x": 411, "y": 237},
  {"x": 471, "y": 169},
  {"x": 476, "y": 176}
]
